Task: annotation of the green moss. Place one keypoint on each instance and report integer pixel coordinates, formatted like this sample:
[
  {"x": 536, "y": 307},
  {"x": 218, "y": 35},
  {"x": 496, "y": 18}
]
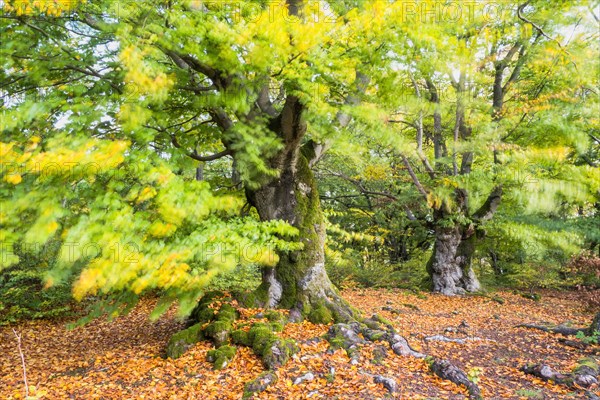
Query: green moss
[
  {"x": 221, "y": 357},
  {"x": 371, "y": 323},
  {"x": 285, "y": 348},
  {"x": 202, "y": 313},
  {"x": 337, "y": 342},
  {"x": 217, "y": 326},
  {"x": 219, "y": 329},
  {"x": 260, "y": 337},
  {"x": 275, "y": 316},
  {"x": 320, "y": 314},
  {"x": 240, "y": 337},
  {"x": 183, "y": 340},
  {"x": 306, "y": 308},
  {"x": 205, "y": 315},
  {"x": 588, "y": 362},
  {"x": 273, "y": 350},
  {"x": 294, "y": 265},
  {"x": 277, "y": 326},
  {"x": 227, "y": 311},
  {"x": 259, "y": 384},
  {"x": 257, "y": 298},
  {"x": 381, "y": 320}
]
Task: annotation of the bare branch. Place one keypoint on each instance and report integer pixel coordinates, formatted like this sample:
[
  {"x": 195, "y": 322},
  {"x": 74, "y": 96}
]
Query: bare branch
[
  {"x": 535, "y": 26},
  {"x": 211, "y": 157},
  {"x": 18, "y": 336},
  {"x": 414, "y": 177}
]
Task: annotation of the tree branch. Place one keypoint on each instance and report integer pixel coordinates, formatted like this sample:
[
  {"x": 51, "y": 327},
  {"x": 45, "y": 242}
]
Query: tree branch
[
  {"x": 487, "y": 210},
  {"x": 414, "y": 177}
]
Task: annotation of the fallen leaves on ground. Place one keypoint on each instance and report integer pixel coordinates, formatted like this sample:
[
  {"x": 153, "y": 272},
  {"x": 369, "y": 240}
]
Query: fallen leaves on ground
[{"x": 122, "y": 359}]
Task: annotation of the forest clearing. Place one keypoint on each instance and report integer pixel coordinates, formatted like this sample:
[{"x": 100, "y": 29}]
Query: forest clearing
[{"x": 123, "y": 359}]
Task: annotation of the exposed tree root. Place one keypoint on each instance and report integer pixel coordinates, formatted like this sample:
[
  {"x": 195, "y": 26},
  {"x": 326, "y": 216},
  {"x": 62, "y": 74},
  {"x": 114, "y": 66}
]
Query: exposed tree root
[
  {"x": 442, "y": 338},
  {"x": 574, "y": 343},
  {"x": 584, "y": 375},
  {"x": 446, "y": 370},
  {"x": 215, "y": 319},
  {"x": 565, "y": 330},
  {"x": 390, "y": 384},
  {"x": 348, "y": 336}
]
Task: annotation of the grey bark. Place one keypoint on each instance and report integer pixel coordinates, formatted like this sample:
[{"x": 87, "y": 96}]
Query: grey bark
[
  {"x": 299, "y": 281},
  {"x": 450, "y": 264}
]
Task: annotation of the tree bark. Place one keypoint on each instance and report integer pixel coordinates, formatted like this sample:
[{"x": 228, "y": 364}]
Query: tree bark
[
  {"x": 299, "y": 282},
  {"x": 450, "y": 264}
]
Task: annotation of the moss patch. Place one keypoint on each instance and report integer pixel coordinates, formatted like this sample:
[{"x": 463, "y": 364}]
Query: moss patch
[
  {"x": 219, "y": 329},
  {"x": 221, "y": 357},
  {"x": 585, "y": 363},
  {"x": 240, "y": 337},
  {"x": 259, "y": 384},
  {"x": 202, "y": 313},
  {"x": 274, "y": 351},
  {"x": 183, "y": 340},
  {"x": 320, "y": 314}
]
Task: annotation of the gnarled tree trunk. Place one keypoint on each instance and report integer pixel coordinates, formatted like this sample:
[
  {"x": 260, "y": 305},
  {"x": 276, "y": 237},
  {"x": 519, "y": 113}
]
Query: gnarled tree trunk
[
  {"x": 299, "y": 281},
  {"x": 450, "y": 263}
]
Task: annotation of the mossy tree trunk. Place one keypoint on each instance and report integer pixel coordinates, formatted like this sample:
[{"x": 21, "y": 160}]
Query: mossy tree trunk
[{"x": 299, "y": 282}]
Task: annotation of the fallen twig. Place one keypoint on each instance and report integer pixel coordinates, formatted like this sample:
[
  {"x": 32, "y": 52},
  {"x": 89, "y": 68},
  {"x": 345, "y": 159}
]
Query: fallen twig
[{"x": 18, "y": 336}]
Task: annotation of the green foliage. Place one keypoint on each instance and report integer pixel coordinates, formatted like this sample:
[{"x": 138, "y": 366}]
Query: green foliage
[
  {"x": 109, "y": 113},
  {"x": 22, "y": 291},
  {"x": 474, "y": 374},
  {"x": 23, "y": 297},
  {"x": 594, "y": 338},
  {"x": 243, "y": 277}
]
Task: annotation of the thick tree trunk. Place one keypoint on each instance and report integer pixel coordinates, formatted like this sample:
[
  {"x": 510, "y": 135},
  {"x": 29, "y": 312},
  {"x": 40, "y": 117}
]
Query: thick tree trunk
[
  {"x": 450, "y": 264},
  {"x": 299, "y": 282}
]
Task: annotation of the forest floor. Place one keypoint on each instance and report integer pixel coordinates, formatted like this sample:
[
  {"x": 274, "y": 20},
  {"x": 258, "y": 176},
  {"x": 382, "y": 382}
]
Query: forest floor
[{"x": 122, "y": 359}]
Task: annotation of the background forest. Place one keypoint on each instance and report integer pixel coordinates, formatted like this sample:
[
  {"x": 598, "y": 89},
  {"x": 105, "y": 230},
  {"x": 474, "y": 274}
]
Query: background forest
[{"x": 476, "y": 133}]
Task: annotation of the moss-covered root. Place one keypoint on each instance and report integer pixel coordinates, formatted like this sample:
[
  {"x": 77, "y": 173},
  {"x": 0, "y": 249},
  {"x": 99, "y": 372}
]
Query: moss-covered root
[
  {"x": 259, "y": 384},
  {"x": 374, "y": 329},
  {"x": 326, "y": 310},
  {"x": 346, "y": 336},
  {"x": 221, "y": 357},
  {"x": 446, "y": 370},
  {"x": 183, "y": 340},
  {"x": 219, "y": 329},
  {"x": 585, "y": 374},
  {"x": 273, "y": 350},
  {"x": 220, "y": 324},
  {"x": 203, "y": 312},
  {"x": 566, "y": 330}
]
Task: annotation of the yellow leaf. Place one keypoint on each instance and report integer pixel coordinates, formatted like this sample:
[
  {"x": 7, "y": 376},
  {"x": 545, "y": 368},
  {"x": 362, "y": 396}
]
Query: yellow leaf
[{"x": 15, "y": 179}]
